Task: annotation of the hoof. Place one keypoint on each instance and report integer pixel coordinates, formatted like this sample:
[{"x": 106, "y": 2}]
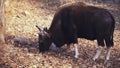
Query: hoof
[
  {"x": 93, "y": 59},
  {"x": 106, "y": 61},
  {"x": 76, "y": 56}
]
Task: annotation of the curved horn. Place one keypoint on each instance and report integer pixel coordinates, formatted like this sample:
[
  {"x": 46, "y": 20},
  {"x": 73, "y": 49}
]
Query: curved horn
[
  {"x": 48, "y": 35},
  {"x": 46, "y": 32},
  {"x": 40, "y": 28}
]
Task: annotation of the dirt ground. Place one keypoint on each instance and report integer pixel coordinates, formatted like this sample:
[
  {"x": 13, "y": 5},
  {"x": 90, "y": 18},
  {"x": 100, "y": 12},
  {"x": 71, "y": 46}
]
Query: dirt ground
[{"x": 21, "y": 18}]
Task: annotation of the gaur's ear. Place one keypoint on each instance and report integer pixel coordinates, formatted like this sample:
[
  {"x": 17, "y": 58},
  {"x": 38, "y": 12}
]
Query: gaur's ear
[{"x": 45, "y": 29}]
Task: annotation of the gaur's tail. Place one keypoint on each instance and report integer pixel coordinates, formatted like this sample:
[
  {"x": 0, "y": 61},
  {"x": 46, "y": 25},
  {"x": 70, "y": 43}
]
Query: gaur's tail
[{"x": 112, "y": 30}]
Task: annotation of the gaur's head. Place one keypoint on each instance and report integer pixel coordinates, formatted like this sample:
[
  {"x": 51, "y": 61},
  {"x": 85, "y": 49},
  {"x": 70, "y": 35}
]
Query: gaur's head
[{"x": 44, "y": 39}]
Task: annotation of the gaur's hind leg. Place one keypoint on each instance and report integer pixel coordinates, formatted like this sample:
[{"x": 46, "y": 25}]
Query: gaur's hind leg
[
  {"x": 100, "y": 41},
  {"x": 76, "y": 50},
  {"x": 107, "y": 54},
  {"x": 109, "y": 44},
  {"x": 98, "y": 52}
]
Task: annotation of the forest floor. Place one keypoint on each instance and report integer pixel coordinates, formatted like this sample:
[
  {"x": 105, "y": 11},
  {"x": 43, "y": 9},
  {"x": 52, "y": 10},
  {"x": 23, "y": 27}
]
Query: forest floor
[{"x": 21, "y": 18}]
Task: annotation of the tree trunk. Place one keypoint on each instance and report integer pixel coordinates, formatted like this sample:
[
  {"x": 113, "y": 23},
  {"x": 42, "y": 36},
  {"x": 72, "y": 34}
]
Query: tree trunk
[{"x": 2, "y": 21}]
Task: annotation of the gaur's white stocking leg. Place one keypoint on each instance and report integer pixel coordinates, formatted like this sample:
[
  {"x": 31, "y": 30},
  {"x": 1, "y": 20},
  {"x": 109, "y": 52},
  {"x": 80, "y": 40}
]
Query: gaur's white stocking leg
[
  {"x": 76, "y": 50},
  {"x": 107, "y": 55},
  {"x": 53, "y": 47},
  {"x": 98, "y": 52}
]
